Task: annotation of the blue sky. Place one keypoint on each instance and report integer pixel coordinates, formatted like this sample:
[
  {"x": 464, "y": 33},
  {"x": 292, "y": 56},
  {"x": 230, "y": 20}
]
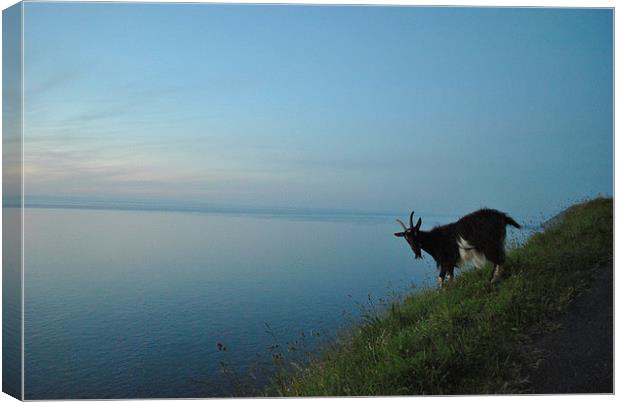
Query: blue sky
[{"x": 361, "y": 108}]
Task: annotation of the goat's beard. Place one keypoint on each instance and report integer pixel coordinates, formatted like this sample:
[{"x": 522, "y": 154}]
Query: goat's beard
[{"x": 417, "y": 253}]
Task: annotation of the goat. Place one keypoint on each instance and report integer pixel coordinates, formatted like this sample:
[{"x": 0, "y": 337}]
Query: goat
[{"x": 477, "y": 237}]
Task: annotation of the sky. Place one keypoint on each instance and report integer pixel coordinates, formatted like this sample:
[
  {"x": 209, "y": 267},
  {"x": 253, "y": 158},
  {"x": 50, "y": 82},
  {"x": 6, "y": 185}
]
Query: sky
[{"x": 371, "y": 108}]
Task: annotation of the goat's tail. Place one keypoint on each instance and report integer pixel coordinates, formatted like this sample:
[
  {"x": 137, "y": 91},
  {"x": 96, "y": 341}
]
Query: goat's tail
[{"x": 510, "y": 221}]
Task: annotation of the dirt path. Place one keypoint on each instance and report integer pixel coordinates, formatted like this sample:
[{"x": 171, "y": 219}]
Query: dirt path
[{"x": 578, "y": 357}]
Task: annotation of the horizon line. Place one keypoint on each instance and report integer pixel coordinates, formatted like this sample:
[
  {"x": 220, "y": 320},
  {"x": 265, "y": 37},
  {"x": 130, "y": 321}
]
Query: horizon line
[
  {"x": 261, "y": 211},
  {"x": 176, "y": 206},
  {"x": 180, "y": 206}
]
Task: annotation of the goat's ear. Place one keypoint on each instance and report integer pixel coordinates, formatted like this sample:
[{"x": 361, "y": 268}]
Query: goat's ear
[
  {"x": 417, "y": 225},
  {"x": 399, "y": 234}
]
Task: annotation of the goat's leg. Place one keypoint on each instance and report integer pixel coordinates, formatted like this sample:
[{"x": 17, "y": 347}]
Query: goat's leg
[
  {"x": 497, "y": 273},
  {"x": 442, "y": 275},
  {"x": 496, "y": 255},
  {"x": 451, "y": 274}
]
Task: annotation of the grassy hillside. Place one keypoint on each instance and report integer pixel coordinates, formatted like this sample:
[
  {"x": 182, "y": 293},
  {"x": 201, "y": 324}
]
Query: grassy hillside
[{"x": 465, "y": 339}]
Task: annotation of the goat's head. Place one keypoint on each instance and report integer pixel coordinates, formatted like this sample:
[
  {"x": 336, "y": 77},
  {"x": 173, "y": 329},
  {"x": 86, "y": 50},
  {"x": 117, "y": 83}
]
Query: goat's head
[{"x": 411, "y": 234}]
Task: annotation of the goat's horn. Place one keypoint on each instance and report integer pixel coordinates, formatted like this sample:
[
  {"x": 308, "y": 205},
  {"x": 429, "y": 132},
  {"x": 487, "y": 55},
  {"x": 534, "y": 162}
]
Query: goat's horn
[
  {"x": 411, "y": 220},
  {"x": 402, "y": 224}
]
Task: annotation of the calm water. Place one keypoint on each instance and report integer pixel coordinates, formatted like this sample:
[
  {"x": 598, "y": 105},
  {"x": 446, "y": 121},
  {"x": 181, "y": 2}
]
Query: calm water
[{"x": 134, "y": 303}]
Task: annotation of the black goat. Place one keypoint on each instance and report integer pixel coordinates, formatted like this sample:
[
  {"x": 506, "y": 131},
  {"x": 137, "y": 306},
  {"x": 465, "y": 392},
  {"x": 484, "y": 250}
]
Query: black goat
[{"x": 477, "y": 237}]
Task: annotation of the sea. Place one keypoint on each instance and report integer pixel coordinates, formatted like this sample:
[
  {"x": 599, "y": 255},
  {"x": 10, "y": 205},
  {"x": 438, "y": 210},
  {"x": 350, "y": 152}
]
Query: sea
[{"x": 122, "y": 303}]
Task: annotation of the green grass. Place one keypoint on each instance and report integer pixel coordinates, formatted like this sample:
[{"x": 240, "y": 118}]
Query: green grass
[{"x": 465, "y": 339}]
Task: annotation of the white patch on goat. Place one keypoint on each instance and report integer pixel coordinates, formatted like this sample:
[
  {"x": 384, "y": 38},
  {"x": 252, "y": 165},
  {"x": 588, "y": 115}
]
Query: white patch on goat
[{"x": 468, "y": 253}]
